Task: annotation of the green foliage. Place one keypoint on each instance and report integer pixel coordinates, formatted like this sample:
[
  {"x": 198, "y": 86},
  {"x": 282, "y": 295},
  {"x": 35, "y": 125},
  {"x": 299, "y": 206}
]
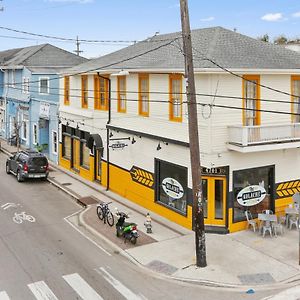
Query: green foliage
[{"x": 41, "y": 148}]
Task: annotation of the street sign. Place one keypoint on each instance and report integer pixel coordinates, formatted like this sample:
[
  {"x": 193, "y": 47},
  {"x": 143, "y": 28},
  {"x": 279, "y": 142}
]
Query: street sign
[{"x": 251, "y": 195}]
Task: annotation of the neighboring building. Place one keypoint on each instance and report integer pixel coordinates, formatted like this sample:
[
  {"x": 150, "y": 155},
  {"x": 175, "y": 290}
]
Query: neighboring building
[
  {"x": 139, "y": 147},
  {"x": 293, "y": 45},
  {"x": 30, "y": 94}
]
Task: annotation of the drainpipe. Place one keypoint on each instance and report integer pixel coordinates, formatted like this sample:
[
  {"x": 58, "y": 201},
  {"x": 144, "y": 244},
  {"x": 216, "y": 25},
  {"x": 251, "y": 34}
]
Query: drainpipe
[{"x": 5, "y": 102}]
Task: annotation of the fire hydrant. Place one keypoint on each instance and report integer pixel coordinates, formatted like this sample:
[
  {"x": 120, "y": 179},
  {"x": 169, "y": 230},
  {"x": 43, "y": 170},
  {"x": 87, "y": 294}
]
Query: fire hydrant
[{"x": 148, "y": 224}]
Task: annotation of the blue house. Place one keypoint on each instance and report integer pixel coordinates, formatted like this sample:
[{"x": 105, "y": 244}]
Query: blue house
[{"x": 29, "y": 89}]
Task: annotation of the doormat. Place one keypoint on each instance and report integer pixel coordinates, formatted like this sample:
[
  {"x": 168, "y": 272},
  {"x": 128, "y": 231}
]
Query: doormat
[
  {"x": 161, "y": 267},
  {"x": 259, "y": 278}
]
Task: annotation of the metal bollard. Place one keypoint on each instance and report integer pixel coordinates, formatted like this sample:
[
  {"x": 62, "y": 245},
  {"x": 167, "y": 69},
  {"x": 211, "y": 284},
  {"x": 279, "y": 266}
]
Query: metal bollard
[{"x": 148, "y": 224}]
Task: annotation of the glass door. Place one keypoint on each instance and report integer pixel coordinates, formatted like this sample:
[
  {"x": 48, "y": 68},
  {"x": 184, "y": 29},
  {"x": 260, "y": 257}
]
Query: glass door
[
  {"x": 76, "y": 154},
  {"x": 98, "y": 165},
  {"x": 214, "y": 199}
]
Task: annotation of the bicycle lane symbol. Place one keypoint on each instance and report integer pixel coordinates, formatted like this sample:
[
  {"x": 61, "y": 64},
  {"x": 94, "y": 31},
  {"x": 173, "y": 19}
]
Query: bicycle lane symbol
[{"x": 19, "y": 218}]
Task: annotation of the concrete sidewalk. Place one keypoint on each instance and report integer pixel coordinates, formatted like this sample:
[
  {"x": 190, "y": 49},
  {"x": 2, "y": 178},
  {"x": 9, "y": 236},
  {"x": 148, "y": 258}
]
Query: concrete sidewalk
[{"x": 240, "y": 260}]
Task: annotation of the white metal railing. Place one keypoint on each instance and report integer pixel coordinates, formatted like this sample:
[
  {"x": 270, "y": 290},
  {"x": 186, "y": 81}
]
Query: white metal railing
[{"x": 263, "y": 134}]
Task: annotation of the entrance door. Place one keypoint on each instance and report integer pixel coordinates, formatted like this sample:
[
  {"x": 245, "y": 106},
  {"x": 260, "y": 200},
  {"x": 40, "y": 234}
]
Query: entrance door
[
  {"x": 214, "y": 199},
  {"x": 76, "y": 154},
  {"x": 98, "y": 165}
]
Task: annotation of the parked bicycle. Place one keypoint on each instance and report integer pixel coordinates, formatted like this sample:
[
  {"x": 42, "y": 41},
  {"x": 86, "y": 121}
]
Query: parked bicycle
[{"x": 105, "y": 214}]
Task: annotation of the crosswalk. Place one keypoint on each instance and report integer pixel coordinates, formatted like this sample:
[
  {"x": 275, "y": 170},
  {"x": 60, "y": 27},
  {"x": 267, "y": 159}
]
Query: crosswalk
[{"x": 41, "y": 291}]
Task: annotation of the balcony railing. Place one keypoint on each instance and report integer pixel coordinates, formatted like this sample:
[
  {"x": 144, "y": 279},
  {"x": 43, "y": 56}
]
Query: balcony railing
[{"x": 264, "y": 134}]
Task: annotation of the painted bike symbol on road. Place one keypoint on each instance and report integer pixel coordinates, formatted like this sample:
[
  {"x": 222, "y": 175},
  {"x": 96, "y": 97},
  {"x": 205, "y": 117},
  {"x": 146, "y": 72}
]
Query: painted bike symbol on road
[{"x": 19, "y": 218}]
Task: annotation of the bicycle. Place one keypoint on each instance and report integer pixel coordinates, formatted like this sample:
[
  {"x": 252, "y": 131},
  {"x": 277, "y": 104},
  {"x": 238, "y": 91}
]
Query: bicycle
[{"x": 105, "y": 214}]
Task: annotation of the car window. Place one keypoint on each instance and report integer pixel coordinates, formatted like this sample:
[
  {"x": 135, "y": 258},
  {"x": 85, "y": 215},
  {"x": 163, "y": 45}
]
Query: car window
[{"x": 38, "y": 161}]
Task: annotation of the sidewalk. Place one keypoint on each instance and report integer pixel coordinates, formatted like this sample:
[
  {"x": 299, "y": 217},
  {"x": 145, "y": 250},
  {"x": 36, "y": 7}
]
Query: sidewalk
[{"x": 241, "y": 260}]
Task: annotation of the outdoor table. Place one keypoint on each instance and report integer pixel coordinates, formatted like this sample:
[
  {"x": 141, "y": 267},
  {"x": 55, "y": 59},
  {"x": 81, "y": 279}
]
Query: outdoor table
[{"x": 266, "y": 217}]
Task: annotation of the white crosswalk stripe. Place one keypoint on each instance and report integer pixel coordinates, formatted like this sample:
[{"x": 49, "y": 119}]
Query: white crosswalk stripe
[
  {"x": 120, "y": 287},
  {"x": 290, "y": 294},
  {"x": 4, "y": 296},
  {"x": 41, "y": 291},
  {"x": 82, "y": 288}
]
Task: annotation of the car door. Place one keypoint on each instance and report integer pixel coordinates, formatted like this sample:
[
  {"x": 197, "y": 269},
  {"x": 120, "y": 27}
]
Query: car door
[{"x": 13, "y": 162}]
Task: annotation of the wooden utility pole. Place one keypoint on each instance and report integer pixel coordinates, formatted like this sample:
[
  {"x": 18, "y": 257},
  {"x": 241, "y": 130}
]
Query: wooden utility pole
[{"x": 198, "y": 216}]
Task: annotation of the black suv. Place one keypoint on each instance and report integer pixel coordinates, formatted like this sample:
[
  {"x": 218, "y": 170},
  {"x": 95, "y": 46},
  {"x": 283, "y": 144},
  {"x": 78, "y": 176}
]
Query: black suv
[{"x": 28, "y": 164}]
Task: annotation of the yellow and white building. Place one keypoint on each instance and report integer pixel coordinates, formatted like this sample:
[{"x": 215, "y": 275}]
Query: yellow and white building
[{"x": 124, "y": 124}]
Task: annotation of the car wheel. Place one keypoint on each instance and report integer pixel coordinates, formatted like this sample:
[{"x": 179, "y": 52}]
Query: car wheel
[
  {"x": 7, "y": 169},
  {"x": 19, "y": 176}
]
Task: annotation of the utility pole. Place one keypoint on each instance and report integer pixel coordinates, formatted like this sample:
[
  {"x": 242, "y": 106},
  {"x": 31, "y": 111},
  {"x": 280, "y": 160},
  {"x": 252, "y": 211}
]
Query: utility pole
[
  {"x": 77, "y": 51},
  {"x": 198, "y": 216}
]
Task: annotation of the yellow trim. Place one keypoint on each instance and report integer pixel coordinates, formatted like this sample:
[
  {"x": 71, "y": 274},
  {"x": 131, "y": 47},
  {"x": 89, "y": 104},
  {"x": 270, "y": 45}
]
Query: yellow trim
[
  {"x": 101, "y": 91},
  {"x": 171, "y": 99},
  {"x": 67, "y": 90},
  {"x": 143, "y": 77},
  {"x": 120, "y": 110},
  {"x": 293, "y": 78},
  {"x": 84, "y": 91},
  {"x": 257, "y": 102}
]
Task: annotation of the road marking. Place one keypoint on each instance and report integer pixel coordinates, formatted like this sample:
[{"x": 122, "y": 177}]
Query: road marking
[
  {"x": 8, "y": 205},
  {"x": 120, "y": 287},
  {"x": 291, "y": 294},
  {"x": 4, "y": 296},
  {"x": 19, "y": 218},
  {"x": 93, "y": 242},
  {"x": 82, "y": 288},
  {"x": 41, "y": 291}
]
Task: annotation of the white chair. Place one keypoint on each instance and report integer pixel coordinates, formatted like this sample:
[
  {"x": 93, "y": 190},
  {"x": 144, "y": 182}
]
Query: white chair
[
  {"x": 278, "y": 228},
  {"x": 267, "y": 227},
  {"x": 250, "y": 220},
  {"x": 267, "y": 211},
  {"x": 293, "y": 220}
]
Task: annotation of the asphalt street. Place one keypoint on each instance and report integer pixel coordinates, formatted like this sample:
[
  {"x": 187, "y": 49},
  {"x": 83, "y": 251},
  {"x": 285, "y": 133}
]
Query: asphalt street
[{"x": 44, "y": 254}]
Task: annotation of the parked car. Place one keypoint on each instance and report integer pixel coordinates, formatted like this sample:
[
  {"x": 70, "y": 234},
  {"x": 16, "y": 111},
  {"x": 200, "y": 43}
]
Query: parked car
[{"x": 28, "y": 164}]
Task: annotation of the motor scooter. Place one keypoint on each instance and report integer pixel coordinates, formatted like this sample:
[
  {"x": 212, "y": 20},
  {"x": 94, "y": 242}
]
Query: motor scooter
[{"x": 126, "y": 229}]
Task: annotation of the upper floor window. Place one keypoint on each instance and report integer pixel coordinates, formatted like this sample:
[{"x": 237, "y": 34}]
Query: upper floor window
[
  {"x": 251, "y": 100},
  {"x": 122, "y": 94},
  {"x": 101, "y": 92},
  {"x": 13, "y": 78},
  {"x": 295, "y": 98},
  {"x": 44, "y": 85},
  {"x": 175, "y": 86},
  {"x": 66, "y": 90},
  {"x": 84, "y": 91},
  {"x": 144, "y": 95},
  {"x": 35, "y": 134},
  {"x": 25, "y": 85}
]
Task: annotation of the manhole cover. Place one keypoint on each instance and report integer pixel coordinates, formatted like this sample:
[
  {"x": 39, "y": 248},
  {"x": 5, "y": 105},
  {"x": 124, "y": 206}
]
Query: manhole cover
[
  {"x": 161, "y": 267},
  {"x": 66, "y": 183},
  {"x": 88, "y": 200},
  {"x": 259, "y": 278}
]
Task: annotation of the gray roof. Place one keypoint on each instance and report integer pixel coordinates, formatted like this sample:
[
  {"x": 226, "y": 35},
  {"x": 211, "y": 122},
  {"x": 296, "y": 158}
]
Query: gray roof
[
  {"x": 227, "y": 48},
  {"x": 44, "y": 56}
]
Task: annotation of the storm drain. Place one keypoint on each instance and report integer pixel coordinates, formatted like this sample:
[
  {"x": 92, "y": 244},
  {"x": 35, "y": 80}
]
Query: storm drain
[
  {"x": 66, "y": 183},
  {"x": 161, "y": 267},
  {"x": 259, "y": 278}
]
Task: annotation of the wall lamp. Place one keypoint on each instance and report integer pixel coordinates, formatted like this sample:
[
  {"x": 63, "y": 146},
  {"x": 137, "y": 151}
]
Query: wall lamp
[
  {"x": 133, "y": 141},
  {"x": 159, "y": 146},
  {"x": 111, "y": 134}
]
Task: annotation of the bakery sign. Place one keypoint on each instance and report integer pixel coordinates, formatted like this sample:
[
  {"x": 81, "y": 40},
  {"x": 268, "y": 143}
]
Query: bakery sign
[
  {"x": 251, "y": 195},
  {"x": 172, "y": 188}
]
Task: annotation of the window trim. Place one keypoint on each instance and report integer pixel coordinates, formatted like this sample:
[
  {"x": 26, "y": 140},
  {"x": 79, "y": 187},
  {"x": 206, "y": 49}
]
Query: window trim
[
  {"x": 98, "y": 92},
  {"x": 13, "y": 77},
  {"x": 141, "y": 112},
  {"x": 52, "y": 141},
  {"x": 25, "y": 85},
  {"x": 34, "y": 141},
  {"x": 257, "y": 102},
  {"x": 293, "y": 78},
  {"x": 120, "y": 110},
  {"x": 48, "y": 85},
  {"x": 171, "y": 106},
  {"x": 67, "y": 90},
  {"x": 84, "y": 91}
]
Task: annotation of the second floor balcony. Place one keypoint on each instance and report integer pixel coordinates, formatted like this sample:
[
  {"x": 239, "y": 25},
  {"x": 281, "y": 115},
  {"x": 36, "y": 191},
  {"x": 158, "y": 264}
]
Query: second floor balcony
[{"x": 264, "y": 137}]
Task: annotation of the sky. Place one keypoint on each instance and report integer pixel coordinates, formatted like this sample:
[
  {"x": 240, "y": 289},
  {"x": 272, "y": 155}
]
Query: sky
[{"x": 119, "y": 22}]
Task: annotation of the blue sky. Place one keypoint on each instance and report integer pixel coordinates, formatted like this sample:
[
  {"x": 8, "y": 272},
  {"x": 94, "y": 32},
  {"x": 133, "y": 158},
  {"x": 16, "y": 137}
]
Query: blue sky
[{"x": 121, "y": 20}]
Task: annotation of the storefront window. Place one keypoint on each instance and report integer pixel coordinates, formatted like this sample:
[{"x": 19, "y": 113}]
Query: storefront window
[
  {"x": 257, "y": 176},
  {"x": 171, "y": 185},
  {"x": 67, "y": 147},
  {"x": 85, "y": 156}
]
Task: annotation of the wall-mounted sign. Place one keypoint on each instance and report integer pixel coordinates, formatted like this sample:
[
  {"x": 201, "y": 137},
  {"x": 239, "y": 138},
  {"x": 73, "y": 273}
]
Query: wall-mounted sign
[
  {"x": 44, "y": 110},
  {"x": 251, "y": 195},
  {"x": 172, "y": 188},
  {"x": 118, "y": 146},
  {"x": 213, "y": 171}
]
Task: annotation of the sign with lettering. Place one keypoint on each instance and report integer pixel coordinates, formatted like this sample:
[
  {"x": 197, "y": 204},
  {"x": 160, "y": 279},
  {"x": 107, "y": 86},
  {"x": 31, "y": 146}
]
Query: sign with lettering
[
  {"x": 251, "y": 195},
  {"x": 118, "y": 146},
  {"x": 172, "y": 188},
  {"x": 213, "y": 171},
  {"x": 44, "y": 110}
]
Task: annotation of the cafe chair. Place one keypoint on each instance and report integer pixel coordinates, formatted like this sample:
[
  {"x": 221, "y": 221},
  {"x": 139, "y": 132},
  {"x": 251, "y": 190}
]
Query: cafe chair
[
  {"x": 278, "y": 228},
  {"x": 267, "y": 227},
  {"x": 267, "y": 211},
  {"x": 293, "y": 220},
  {"x": 250, "y": 220}
]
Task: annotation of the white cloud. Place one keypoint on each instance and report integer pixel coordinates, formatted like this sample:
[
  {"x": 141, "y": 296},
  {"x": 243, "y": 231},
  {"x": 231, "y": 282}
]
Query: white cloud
[
  {"x": 74, "y": 1},
  {"x": 272, "y": 17},
  {"x": 209, "y": 19},
  {"x": 296, "y": 14}
]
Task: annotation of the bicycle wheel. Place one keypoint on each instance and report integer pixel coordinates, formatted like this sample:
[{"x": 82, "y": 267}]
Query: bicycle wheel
[
  {"x": 100, "y": 213},
  {"x": 110, "y": 218},
  {"x": 30, "y": 218}
]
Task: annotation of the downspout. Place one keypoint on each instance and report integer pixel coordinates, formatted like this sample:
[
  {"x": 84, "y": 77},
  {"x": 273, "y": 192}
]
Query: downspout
[{"x": 5, "y": 102}]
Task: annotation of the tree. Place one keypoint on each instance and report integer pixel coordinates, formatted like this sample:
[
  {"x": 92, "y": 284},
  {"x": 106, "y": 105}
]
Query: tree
[
  {"x": 281, "y": 40},
  {"x": 264, "y": 38}
]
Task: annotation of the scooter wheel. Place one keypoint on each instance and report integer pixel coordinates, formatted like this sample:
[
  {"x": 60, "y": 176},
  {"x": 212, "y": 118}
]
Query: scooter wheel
[
  {"x": 118, "y": 233},
  {"x": 133, "y": 240}
]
